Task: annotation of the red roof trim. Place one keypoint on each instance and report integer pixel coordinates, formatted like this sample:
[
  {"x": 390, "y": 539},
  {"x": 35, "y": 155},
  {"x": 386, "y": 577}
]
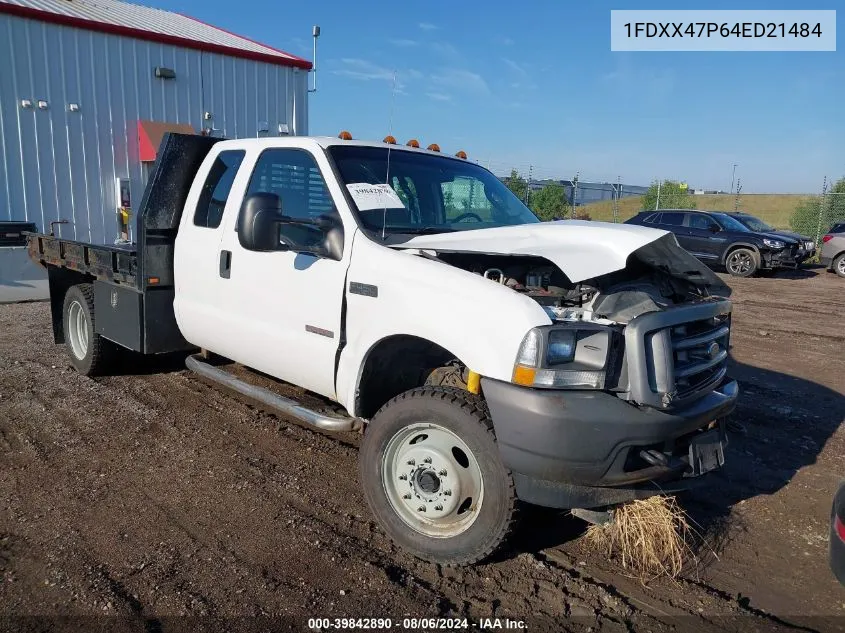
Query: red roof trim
[
  {"x": 116, "y": 29},
  {"x": 301, "y": 60}
]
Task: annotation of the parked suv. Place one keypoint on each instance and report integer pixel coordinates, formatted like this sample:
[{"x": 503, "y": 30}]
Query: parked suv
[
  {"x": 717, "y": 238},
  {"x": 832, "y": 254}
]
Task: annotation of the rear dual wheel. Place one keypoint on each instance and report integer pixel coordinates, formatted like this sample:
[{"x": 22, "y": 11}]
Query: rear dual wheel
[
  {"x": 433, "y": 476},
  {"x": 89, "y": 352}
]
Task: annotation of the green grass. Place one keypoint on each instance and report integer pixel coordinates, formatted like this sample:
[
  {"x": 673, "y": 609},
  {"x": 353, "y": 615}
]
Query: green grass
[{"x": 774, "y": 209}]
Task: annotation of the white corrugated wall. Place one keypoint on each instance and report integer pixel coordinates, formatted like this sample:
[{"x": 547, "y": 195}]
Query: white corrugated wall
[{"x": 58, "y": 164}]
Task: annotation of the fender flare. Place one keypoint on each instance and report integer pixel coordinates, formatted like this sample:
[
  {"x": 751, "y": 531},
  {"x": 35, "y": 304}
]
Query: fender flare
[{"x": 735, "y": 245}]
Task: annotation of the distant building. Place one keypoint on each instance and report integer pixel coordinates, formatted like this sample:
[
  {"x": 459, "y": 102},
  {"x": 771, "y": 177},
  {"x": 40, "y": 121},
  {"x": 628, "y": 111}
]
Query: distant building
[{"x": 588, "y": 192}]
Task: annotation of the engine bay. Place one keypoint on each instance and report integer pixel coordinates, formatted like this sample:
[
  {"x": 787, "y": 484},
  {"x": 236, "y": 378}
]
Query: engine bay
[{"x": 615, "y": 298}]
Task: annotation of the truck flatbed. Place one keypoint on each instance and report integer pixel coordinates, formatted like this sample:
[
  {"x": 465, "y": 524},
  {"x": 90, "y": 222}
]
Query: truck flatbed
[{"x": 132, "y": 283}]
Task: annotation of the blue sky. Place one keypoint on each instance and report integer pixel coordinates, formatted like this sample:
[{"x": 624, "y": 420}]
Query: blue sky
[{"x": 535, "y": 83}]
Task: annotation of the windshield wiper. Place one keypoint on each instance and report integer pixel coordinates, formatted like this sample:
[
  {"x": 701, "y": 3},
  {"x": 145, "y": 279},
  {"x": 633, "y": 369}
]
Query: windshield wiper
[{"x": 421, "y": 230}]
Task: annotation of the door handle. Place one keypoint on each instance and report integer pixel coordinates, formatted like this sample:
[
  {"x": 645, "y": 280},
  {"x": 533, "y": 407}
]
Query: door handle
[{"x": 225, "y": 264}]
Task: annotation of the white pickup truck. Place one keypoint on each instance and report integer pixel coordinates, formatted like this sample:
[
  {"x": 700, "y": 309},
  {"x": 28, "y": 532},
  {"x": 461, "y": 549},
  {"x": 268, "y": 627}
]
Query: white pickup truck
[{"x": 485, "y": 356}]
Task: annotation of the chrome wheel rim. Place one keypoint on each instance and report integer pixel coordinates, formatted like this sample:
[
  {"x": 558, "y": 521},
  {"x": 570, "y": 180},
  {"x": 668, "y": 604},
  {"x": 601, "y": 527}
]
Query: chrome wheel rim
[
  {"x": 432, "y": 480},
  {"x": 77, "y": 330},
  {"x": 841, "y": 266},
  {"x": 740, "y": 262}
]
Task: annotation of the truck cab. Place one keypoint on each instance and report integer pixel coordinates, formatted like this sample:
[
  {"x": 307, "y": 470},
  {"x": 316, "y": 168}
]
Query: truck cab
[{"x": 487, "y": 357}]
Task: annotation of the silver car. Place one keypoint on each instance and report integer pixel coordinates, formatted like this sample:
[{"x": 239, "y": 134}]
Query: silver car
[{"x": 832, "y": 255}]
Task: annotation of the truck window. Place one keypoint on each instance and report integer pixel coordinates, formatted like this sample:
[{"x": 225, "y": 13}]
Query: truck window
[
  {"x": 465, "y": 195},
  {"x": 215, "y": 191},
  {"x": 293, "y": 175}
]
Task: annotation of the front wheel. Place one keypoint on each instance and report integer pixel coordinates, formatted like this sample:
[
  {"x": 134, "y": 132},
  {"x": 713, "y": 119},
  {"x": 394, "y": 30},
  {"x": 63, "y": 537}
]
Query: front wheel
[
  {"x": 433, "y": 476},
  {"x": 742, "y": 262}
]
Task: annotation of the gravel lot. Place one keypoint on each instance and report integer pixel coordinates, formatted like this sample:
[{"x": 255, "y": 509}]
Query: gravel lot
[{"x": 156, "y": 499}]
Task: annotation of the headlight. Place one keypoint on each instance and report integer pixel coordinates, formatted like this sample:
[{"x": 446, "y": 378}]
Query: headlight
[
  {"x": 573, "y": 357},
  {"x": 561, "y": 347},
  {"x": 773, "y": 243}
]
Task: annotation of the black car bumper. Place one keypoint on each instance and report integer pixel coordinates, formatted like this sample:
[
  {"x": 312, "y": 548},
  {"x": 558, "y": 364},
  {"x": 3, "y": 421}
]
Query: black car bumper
[
  {"x": 589, "y": 448},
  {"x": 787, "y": 257}
]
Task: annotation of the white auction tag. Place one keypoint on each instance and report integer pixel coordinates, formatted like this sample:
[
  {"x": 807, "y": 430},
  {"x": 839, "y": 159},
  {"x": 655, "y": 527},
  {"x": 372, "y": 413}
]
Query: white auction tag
[{"x": 369, "y": 197}]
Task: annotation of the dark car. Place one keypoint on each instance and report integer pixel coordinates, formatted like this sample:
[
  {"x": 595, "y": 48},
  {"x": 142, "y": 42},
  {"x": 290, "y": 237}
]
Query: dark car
[
  {"x": 837, "y": 534},
  {"x": 718, "y": 239},
  {"x": 806, "y": 249}
]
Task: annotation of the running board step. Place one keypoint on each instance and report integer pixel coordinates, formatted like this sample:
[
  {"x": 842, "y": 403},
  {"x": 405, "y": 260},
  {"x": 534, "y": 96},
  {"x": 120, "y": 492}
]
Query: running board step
[{"x": 271, "y": 400}]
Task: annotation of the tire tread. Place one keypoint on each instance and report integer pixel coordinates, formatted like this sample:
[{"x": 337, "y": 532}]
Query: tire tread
[
  {"x": 101, "y": 351},
  {"x": 477, "y": 408}
]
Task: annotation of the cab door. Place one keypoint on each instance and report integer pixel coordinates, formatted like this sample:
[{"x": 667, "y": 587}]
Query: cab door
[
  {"x": 197, "y": 264},
  {"x": 283, "y": 309}
]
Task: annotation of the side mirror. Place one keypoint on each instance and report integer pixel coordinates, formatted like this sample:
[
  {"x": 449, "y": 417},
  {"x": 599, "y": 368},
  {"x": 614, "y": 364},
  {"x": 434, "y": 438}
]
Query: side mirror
[
  {"x": 258, "y": 222},
  {"x": 321, "y": 236}
]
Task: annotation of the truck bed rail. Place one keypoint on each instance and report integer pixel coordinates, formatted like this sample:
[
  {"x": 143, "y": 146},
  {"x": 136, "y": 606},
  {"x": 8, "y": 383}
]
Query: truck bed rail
[{"x": 116, "y": 263}]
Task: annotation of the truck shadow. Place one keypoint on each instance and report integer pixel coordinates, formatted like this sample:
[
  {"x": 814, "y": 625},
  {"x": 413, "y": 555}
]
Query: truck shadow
[
  {"x": 780, "y": 425},
  {"x": 130, "y": 363}
]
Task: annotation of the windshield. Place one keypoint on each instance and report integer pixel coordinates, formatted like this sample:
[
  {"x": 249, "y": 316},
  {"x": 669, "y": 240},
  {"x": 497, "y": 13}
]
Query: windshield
[
  {"x": 755, "y": 224},
  {"x": 728, "y": 223},
  {"x": 426, "y": 194}
]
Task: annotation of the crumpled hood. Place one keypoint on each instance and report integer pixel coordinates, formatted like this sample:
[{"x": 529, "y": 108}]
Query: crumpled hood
[{"x": 581, "y": 249}]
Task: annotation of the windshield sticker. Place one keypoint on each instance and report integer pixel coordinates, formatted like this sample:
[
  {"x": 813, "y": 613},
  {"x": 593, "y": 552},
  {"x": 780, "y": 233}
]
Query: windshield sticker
[{"x": 370, "y": 197}]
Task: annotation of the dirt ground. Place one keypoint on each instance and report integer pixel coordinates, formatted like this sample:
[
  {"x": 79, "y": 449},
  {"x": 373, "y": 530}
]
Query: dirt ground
[{"x": 160, "y": 501}]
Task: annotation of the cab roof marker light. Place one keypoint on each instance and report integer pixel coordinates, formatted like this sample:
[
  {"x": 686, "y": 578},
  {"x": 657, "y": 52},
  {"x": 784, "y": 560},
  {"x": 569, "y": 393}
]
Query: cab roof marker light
[
  {"x": 345, "y": 136},
  {"x": 413, "y": 143},
  {"x": 389, "y": 139},
  {"x": 434, "y": 147},
  {"x": 461, "y": 154}
]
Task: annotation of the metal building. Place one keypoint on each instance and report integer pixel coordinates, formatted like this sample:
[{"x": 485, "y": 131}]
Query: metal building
[{"x": 88, "y": 88}]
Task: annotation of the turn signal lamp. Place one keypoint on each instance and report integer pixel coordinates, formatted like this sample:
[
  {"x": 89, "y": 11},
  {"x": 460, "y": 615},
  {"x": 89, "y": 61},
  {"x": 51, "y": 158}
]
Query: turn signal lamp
[
  {"x": 413, "y": 143},
  {"x": 434, "y": 147},
  {"x": 525, "y": 368},
  {"x": 345, "y": 136}
]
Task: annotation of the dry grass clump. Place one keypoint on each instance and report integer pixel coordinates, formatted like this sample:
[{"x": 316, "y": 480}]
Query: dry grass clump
[{"x": 651, "y": 537}]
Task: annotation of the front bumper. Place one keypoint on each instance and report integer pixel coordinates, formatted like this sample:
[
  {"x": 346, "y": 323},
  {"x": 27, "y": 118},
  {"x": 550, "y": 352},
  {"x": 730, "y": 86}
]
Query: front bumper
[
  {"x": 788, "y": 257},
  {"x": 582, "y": 448}
]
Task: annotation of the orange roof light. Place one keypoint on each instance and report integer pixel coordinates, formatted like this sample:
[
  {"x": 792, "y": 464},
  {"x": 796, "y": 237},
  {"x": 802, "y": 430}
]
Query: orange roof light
[
  {"x": 461, "y": 154},
  {"x": 389, "y": 139},
  {"x": 345, "y": 136},
  {"x": 413, "y": 143},
  {"x": 434, "y": 147}
]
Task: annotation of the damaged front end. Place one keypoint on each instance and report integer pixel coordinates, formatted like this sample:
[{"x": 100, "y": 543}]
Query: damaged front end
[{"x": 623, "y": 393}]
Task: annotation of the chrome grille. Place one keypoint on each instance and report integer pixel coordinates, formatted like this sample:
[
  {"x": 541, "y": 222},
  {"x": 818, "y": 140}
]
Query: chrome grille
[
  {"x": 677, "y": 355},
  {"x": 700, "y": 354}
]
